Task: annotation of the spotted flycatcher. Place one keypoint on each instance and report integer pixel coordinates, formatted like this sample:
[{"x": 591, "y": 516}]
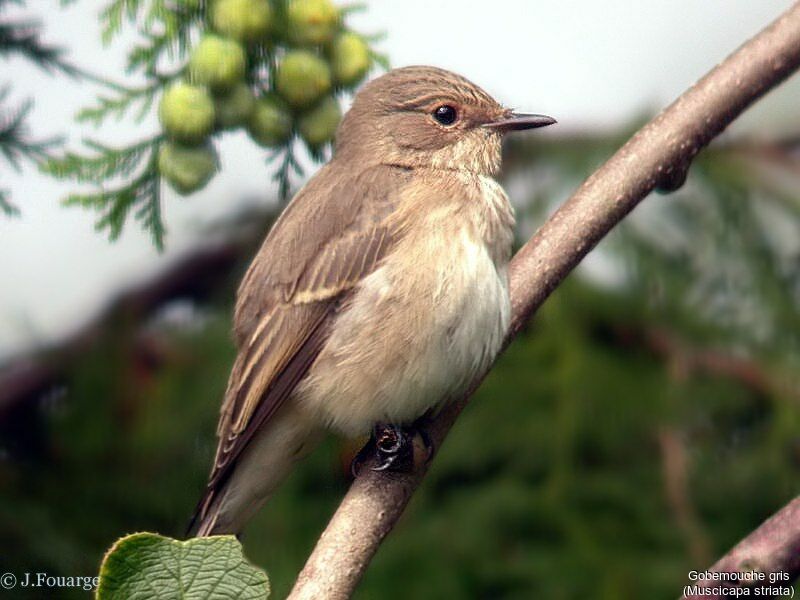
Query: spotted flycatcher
[{"x": 379, "y": 293}]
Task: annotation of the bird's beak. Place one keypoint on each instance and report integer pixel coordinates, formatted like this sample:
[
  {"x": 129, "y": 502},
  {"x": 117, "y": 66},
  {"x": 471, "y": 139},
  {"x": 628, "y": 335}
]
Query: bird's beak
[{"x": 520, "y": 121}]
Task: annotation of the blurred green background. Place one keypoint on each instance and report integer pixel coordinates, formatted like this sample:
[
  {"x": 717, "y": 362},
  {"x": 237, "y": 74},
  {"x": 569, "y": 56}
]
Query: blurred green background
[
  {"x": 635, "y": 431},
  {"x": 643, "y": 423}
]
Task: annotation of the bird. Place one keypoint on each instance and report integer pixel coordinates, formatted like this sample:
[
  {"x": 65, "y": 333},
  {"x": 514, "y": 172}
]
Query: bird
[{"x": 379, "y": 292}]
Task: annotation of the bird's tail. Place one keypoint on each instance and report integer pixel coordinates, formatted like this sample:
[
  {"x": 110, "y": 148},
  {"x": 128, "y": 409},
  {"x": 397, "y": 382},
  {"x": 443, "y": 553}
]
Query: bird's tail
[
  {"x": 204, "y": 517},
  {"x": 226, "y": 508}
]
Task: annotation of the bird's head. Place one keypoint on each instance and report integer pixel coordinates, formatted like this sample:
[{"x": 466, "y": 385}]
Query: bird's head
[{"x": 428, "y": 117}]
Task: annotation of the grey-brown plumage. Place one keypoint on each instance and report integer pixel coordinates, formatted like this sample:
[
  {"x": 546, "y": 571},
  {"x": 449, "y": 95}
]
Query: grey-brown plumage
[{"x": 378, "y": 292}]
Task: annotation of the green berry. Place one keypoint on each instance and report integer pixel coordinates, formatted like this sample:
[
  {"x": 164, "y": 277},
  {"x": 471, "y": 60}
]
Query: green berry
[
  {"x": 303, "y": 78},
  {"x": 187, "y": 169},
  {"x": 186, "y": 113},
  {"x": 234, "y": 108},
  {"x": 318, "y": 126},
  {"x": 270, "y": 123},
  {"x": 349, "y": 58},
  {"x": 312, "y": 21},
  {"x": 243, "y": 20},
  {"x": 218, "y": 63}
]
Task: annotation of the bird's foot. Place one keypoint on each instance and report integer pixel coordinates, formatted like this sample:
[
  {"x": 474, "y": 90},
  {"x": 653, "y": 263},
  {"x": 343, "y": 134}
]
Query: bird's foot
[{"x": 394, "y": 449}]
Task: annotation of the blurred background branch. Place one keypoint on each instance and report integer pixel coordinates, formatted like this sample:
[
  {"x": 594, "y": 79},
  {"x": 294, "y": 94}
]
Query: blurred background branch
[{"x": 193, "y": 277}]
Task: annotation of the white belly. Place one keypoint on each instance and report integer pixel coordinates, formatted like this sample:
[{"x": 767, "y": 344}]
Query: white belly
[{"x": 412, "y": 337}]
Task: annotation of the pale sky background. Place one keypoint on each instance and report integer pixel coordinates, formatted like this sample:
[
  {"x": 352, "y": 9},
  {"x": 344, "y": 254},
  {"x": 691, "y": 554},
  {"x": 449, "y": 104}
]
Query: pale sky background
[{"x": 590, "y": 64}]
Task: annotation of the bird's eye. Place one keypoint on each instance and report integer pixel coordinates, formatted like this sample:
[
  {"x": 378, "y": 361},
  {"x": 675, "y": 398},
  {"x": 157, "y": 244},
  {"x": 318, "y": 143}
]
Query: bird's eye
[{"x": 445, "y": 114}]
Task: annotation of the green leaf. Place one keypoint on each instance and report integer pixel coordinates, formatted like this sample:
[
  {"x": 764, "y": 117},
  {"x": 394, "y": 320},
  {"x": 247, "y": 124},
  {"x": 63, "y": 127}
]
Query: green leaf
[{"x": 148, "y": 565}]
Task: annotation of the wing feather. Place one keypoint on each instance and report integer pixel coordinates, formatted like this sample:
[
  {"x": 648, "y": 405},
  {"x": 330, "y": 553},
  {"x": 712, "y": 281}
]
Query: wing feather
[{"x": 317, "y": 252}]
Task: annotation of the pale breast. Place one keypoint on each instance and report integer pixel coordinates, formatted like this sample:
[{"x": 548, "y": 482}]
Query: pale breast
[{"x": 420, "y": 327}]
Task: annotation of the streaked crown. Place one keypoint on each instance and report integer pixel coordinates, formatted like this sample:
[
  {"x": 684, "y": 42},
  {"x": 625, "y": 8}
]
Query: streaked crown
[{"x": 422, "y": 117}]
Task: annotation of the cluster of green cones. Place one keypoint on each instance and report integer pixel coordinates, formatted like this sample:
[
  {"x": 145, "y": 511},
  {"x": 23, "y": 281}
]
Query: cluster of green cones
[{"x": 271, "y": 68}]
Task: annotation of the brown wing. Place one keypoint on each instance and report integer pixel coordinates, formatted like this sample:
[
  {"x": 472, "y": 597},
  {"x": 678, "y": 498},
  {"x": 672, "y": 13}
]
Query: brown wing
[{"x": 325, "y": 242}]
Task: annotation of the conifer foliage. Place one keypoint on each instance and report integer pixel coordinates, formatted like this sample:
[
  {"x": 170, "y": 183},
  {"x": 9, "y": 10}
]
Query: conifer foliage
[
  {"x": 22, "y": 37},
  {"x": 273, "y": 68}
]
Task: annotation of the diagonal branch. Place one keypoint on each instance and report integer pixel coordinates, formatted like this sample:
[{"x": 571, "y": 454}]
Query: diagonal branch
[
  {"x": 770, "y": 549},
  {"x": 658, "y": 156}
]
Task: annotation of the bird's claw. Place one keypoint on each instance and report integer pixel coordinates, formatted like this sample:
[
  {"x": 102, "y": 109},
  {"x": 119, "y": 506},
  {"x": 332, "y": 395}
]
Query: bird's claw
[{"x": 385, "y": 464}]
